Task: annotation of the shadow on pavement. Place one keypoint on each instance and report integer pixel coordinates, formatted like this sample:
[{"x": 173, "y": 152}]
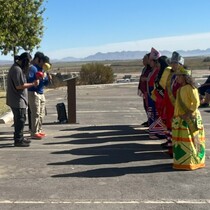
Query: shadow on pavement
[
  {"x": 6, "y": 145},
  {"x": 124, "y": 152},
  {"x": 6, "y": 139},
  {"x": 105, "y": 127},
  {"x": 113, "y": 154},
  {"x": 117, "y": 171},
  {"x": 96, "y": 140},
  {"x": 104, "y": 134},
  {"x": 7, "y": 133}
]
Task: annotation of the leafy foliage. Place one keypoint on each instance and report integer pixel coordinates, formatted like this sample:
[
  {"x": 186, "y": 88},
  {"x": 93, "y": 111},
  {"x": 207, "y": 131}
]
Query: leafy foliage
[
  {"x": 21, "y": 25},
  {"x": 96, "y": 73}
]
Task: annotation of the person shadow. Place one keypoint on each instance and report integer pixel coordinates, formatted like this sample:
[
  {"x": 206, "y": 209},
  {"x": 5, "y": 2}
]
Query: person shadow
[
  {"x": 6, "y": 139},
  {"x": 109, "y": 146}
]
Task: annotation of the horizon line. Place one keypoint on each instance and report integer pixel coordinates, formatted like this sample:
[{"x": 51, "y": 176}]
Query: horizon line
[{"x": 170, "y": 43}]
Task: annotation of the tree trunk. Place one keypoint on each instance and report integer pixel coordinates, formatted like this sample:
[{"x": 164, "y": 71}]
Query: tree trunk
[{"x": 14, "y": 53}]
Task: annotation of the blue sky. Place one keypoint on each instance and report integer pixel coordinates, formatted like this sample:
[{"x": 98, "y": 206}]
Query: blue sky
[{"x": 79, "y": 28}]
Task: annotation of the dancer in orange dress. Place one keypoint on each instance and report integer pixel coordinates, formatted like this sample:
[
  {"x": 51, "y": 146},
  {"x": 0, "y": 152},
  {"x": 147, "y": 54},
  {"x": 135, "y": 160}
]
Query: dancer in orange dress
[
  {"x": 169, "y": 83},
  {"x": 154, "y": 125}
]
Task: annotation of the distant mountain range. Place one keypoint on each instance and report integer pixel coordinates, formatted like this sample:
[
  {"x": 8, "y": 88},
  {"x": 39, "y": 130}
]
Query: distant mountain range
[
  {"x": 124, "y": 55},
  {"x": 132, "y": 55},
  {"x": 5, "y": 62}
]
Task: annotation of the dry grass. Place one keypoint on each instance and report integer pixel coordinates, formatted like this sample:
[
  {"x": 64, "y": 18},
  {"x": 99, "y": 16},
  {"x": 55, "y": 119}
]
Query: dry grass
[
  {"x": 197, "y": 63},
  {"x": 126, "y": 66},
  {"x": 3, "y": 107}
]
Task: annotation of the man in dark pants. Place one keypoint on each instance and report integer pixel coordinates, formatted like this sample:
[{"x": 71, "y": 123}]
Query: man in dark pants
[{"x": 17, "y": 96}]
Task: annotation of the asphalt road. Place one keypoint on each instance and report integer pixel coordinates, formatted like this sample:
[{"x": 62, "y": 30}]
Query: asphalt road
[{"x": 104, "y": 161}]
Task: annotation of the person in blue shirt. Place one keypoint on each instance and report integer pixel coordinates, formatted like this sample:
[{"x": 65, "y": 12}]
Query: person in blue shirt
[{"x": 36, "y": 95}]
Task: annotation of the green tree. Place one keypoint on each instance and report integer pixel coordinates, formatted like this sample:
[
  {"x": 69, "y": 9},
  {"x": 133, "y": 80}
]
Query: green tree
[
  {"x": 21, "y": 25},
  {"x": 96, "y": 73}
]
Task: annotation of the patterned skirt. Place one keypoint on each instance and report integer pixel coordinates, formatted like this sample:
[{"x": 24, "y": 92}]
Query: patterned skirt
[
  {"x": 156, "y": 126},
  {"x": 188, "y": 149}
]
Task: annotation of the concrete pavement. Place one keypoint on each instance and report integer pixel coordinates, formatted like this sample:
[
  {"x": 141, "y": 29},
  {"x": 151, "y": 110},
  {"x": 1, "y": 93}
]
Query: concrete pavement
[{"x": 104, "y": 161}]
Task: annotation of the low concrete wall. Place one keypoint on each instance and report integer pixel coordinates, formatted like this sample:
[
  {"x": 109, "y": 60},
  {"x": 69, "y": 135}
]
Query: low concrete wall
[{"x": 6, "y": 118}]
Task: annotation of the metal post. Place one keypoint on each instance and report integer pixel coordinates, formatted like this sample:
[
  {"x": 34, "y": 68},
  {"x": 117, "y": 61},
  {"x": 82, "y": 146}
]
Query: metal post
[{"x": 71, "y": 93}]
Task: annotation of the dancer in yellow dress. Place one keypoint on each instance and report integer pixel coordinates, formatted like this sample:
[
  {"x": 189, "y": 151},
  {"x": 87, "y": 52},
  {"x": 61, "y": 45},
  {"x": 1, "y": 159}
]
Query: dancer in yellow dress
[{"x": 188, "y": 137}]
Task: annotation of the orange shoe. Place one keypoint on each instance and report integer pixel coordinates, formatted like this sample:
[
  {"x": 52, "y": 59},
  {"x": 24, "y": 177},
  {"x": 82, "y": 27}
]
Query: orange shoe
[
  {"x": 36, "y": 136},
  {"x": 42, "y": 134}
]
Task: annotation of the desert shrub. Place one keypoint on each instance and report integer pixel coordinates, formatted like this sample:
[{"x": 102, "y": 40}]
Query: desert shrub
[
  {"x": 96, "y": 73},
  {"x": 207, "y": 59},
  {"x": 57, "y": 81}
]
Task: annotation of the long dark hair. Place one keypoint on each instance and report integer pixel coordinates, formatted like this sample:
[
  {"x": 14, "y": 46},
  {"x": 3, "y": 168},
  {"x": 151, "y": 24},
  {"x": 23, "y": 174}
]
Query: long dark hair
[
  {"x": 189, "y": 79},
  {"x": 163, "y": 61},
  {"x": 25, "y": 59}
]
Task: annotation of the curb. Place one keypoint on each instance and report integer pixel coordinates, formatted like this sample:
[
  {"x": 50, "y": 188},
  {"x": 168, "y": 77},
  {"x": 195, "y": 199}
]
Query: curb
[{"x": 6, "y": 118}]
